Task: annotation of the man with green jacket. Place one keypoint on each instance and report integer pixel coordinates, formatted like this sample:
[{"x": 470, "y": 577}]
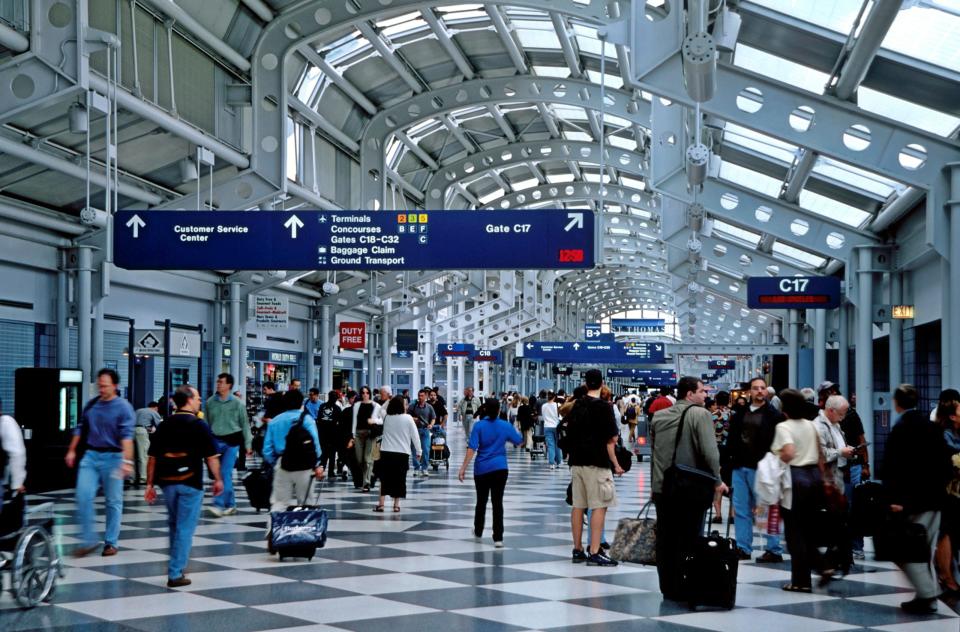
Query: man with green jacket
[{"x": 227, "y": 417}]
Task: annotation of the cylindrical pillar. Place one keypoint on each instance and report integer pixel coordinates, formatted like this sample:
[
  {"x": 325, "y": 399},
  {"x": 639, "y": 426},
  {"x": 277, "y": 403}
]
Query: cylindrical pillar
[
  {"x": 793, "y": 349},
  {"x": 371, "y": 358},
  {"x": 461, "y": 376},
  {"x": 946, "y": 316},
  {"x": 326, "y": 351},
  {"x": 864, "y": 348},
  {"x": 896, "y": 334},
  {"x": 217, "y": 335},
  {"x": 236, "y": 359},
  {"x": 310, "y": 350},
  {"x": 415, "y": 378},
  {"x": 428, "y": 349},
  {"x": 385, "y": 352},
  {"x": 843, "y": 347},
  {"x": 96, "y": 337},
  {"x": 951, "y": 323},
  {"x": 84, "y": 314},
  {"x": 452, "y": 396},
  {"x": 167, "y": 378},
  {"x": 63, "y": 316},
  {"x": 241, "y": 374},
  {"x": 476, "y": 376},
  {"x": 819, "y": 346}
]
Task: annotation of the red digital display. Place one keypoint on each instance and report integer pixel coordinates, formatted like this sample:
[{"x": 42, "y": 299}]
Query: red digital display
[
  {"x": 571, "y": 255},
  {"x": 808, "y": 299}
]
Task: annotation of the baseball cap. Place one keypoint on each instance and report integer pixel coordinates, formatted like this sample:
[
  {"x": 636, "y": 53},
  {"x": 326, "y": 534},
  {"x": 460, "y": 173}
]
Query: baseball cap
[{"x": 826, "y": 386}]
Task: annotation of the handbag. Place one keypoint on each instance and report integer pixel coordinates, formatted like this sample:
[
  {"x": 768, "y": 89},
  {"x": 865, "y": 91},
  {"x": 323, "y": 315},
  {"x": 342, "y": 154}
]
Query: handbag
[
  {"x": 376, "y": 449},
  {"x": 897, "y": 539},
  {"x": 624, "y": 457},
  {"x": 636, "y": 539},
  {"x": 687, "y": 483}
]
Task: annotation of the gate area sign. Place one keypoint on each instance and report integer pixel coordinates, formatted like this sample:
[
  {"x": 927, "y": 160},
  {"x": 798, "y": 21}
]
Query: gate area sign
[
  {"x": 545, "y": 239},
  {"x": 813, "y": 292},
  {"x": 595, "y": 352}
]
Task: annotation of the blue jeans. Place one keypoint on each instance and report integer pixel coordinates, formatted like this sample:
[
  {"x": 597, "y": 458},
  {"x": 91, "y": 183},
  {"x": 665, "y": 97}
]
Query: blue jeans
[
  {"x": 855, "y": 472},
  {"x": 100, "y": 469},
  {"x": 183, "y": 513},
  {"x": 424, "y": 461},
  {"x": 744, "y": 501},
  {"x": 228, "y": 459},
  {"x": 554, "y": 455}
]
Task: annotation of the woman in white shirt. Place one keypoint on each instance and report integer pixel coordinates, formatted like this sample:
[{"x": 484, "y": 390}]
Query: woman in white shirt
[
  {"x": 399, "y": 433},
  {"x": 797, "y": 443},
  {"x": 551, "y": 417},
  {"x": 11, "y": 442}
]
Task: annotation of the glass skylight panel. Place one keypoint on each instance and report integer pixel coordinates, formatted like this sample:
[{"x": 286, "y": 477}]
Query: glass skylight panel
[
  {"x": 490, "y": 197},
  {"x": 580, "y": 136},
  {"x": 519, "y": 185},
  {"x": 536, "y": 34},
  {"x": 939, "y": 43},
  {"x": 633, "y": 183},
  {"x": 308, "y": 83},
  {"x": 736, "y": 232},
  {"x": 828, "y": 207},
  {"x": 559, "y": 178},
  {"x": 561, "y": 72},
  {"x": 570, "y": 112},
  {"x": 856, "y": 177},
  {"x": 345, "y": 46},
  {"x": 766, "y": 145},
  {"x": 610, "y": 81},
  {"x": 910, "y": 113},
  {"x": 750, "y": 179},
  {"x": 396, "y": 20},
  {"x": 621, "y": 142},
  {"x": 588, "y": 42},
  {"x": 780, "y": 69},
  {"x": 452, "y": 17},
  {"x": 804, "y": 258},
  {"x": 836, "y": 15}
]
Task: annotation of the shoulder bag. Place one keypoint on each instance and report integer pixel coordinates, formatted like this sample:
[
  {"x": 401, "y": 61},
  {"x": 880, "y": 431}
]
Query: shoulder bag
[
  {"x": 686, "y": 483},
  {"x": 636, "y": 539}
]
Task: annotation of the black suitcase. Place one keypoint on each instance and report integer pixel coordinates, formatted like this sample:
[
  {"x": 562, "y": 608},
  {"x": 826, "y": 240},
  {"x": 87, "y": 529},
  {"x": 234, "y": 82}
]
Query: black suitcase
[
  {"x": 867, "y": 508},
  {"x": 258, "y": 483},
  {"x": 710, "y": 571},
  {"x": 299, "y": 531}
]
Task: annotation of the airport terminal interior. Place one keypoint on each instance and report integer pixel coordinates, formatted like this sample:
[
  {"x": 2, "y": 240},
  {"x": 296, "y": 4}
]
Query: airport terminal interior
[{"x": 501, "y": 203}]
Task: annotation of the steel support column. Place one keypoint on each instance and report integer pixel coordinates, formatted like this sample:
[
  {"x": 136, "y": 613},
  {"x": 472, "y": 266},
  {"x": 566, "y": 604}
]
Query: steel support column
[
  {"x": 793, "y": 353},
  {"x": 954, "y": 285},
  {"x": 451, "y": 391},
  {"x": 371, "y": 357},
  {"x": 385, "y": 352},
  {"x": 241, "y": 377},
  {"x": 63, "y": 311},
  {"x": 843, "y": 352},
  {"x": 896, "y": 334},
  {"x": 311, "y": 363},
  {"x": 326, "y": 352},
  {"x": 428, "y": 357},
  {"x": 462, "y": 375},
  {"x": 217, "y": 334},
  {"x": 84, "y": 313},
  {"x": 236, "y": 359},
  {"x": 864, "y": 346},
  {"x": 819, "y": 346}
]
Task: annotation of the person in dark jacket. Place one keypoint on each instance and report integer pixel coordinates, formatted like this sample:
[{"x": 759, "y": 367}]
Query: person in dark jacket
[
  {"x": 749, "y": 438},
  {"x": 915, "y": 474}
]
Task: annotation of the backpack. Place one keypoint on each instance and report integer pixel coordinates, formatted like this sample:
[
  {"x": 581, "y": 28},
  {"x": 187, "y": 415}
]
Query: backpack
[
  {"x": 327, "y": 415},
  {"x": 300, "y": 453},
  {"x": 631, "y": 413},
  {"x": 568, "y": 427}
]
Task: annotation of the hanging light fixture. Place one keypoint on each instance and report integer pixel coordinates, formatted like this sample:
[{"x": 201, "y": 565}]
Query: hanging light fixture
[{"x": 79, "y": 122}]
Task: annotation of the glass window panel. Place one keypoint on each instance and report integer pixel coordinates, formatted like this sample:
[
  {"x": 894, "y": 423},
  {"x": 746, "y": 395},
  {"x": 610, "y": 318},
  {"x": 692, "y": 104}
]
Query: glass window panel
[
  {"x": 780, "y": 69},
  {"x": 836, "y": 15},
  {"x": 538, "y": 39},
  {"x": 735, "y": 231},
  {"x": 766, "y": 145},
  {"x": 911, "y": 113},
  {"x": 552, "y": 71},
  {"x": 489, "y": 197},
  {"x": 750, "y": 179},
  {"x": 939, "y": 44},
  {"x": 581, "y": 136},
  {"x": 622, "y": 143},
  {"x": 524, "y": 184},
  {"x": 634, "y": 183},
  {"x": 828, "y": 207},
  {"x": 856, "y": 177},
  {"x": 806, "y": 259},
  {"x": 557, "y": 178},
  {"x": 611, "y": 81}
]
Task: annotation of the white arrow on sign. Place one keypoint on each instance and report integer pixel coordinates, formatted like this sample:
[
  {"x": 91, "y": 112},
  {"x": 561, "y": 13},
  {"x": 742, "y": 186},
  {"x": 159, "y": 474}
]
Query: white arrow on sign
[
  {"x": 293, "y": 224},
  {"x": 576, "y": 221},
  {"x": 529, "y": 345},
  {"x": 576, "y": 346},
  {"x": 658, "y": 347},
  {"x": 136, "y": 223}
]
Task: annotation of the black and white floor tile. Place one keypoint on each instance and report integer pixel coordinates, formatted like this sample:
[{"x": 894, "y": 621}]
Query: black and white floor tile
[{"x": 421, "y": 569}]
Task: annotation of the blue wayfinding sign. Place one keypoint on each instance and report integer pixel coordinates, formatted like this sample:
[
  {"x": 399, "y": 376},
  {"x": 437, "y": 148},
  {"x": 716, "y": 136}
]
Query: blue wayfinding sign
[
  {"x": 595, "y": 352},
  {"x": 591, "y": 331},
  {"x": 488, "y": 355},
  {"x": 354, "y": 240},
  {"x": 456, "y": 350},
  {"x": 813, "y": 292},
  {"x": 658, "y": 377},
  {"x": 637, "y": 325}
]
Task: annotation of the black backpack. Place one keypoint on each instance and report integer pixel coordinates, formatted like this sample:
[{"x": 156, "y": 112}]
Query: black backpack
[
  {"x": 300, "y": 452},
  {"x": 327, "y": 415},
  {"x": 567, "y": 429},
  {"x": 631, "y": 412}
]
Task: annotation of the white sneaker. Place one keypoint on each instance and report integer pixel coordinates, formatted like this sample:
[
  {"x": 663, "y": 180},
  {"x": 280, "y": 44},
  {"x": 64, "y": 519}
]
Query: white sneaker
[
  {"x": 216, "y": 511},
  {"x": 424, "y": 474},
  {"x": 497, "y": 544},
  {"x": 230, "y": 511}
]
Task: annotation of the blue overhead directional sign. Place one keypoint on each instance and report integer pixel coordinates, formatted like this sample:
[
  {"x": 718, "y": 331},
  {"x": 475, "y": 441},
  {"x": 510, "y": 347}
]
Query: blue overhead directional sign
[
  {"x": 713, "y": 365},
  {"x": 455, "y": 350},
  {"x": 658, "y": 377},
  {"x": 595, "y": 352},
  {"x": 637, "y": 325},
  {"x": 591, "y": 331},
  {"x": 813, "y": 292},
  {"x": 488, "y": 355},
  {"x": 354, "y": 240}
]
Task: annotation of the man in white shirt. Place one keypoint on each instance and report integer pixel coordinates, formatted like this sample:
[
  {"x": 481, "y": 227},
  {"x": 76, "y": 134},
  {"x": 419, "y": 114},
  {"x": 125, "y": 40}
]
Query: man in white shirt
[{"x": 15, "y": 455}]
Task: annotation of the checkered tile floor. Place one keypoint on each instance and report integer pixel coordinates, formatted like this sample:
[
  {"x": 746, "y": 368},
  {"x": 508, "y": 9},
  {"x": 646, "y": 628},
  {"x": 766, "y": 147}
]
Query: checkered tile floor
[{"x": 421, "y": 569}]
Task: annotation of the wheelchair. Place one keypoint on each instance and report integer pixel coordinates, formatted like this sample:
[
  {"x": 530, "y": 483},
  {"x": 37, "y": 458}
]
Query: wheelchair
[{"x": 27, "y": 551}]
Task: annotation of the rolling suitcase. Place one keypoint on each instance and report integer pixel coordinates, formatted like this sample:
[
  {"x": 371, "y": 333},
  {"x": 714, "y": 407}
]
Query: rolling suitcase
[
  {"x": 299, "y": 531},
  {"x": 258, "y": 482},
  {"x": 710, "y": 570}
]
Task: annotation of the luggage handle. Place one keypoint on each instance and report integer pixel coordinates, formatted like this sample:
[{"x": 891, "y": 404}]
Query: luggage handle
[
  {"x": 644, "y": 512},
  {"x": 710, "y": 521},
  {"x": 306, "y": 496}
]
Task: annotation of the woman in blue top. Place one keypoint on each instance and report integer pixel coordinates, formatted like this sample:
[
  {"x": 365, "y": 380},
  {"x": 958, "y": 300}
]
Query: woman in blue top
[{"x": 488, "y": 441}]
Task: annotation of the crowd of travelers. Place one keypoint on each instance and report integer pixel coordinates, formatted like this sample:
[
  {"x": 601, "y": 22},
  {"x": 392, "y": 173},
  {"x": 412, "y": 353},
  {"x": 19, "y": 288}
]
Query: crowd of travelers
[{"x": 797, "y": 456}]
